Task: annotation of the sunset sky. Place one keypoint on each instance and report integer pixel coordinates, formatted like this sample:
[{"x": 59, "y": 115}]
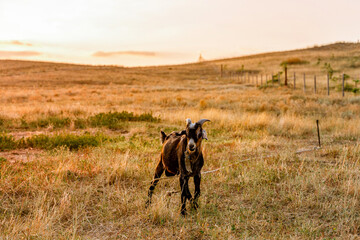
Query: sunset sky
[{"x": 153, "y": 32}]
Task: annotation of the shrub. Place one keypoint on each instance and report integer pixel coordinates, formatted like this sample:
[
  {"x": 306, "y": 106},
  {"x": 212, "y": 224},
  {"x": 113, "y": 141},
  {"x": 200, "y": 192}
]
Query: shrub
[
  {"x": 274, "y": 78},
  {"x": 294, "y": 61},
  {"x": 330, "y": 71},
  {"x": 347, "y": 88}
]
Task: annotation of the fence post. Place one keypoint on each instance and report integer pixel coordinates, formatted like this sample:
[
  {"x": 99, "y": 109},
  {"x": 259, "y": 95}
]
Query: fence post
[
  {"x": 343, "y": 85},
  {"x": 315, "y": 84},
  {"x": 294, "y": 80},
  {"x": 261, "y": 80},
  {"x": 256, "y": 80},
  {"x": 221, "y": 70},
  {"x": 304, "y": 83},
  {"x": 328, "y": 84},
  {"x": 286, "y": 80}
]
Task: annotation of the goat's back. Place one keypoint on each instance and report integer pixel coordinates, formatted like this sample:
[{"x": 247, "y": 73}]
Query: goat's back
[{"x": 172, "y": 151}]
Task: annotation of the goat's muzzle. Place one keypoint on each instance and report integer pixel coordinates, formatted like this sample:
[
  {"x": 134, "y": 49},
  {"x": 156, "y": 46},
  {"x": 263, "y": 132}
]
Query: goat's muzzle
[{"x": 191, "y": 145}]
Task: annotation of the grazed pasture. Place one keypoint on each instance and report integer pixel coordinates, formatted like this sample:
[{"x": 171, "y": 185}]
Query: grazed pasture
[{"x": 74, "y": 165}]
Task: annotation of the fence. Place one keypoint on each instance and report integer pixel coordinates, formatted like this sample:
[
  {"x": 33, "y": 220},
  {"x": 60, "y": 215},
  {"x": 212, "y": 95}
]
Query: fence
[{"x": 309, "y": 82}]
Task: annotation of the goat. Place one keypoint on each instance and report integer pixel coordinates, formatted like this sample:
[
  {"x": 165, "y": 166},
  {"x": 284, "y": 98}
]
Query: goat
[{"x": 181, "y": 155}]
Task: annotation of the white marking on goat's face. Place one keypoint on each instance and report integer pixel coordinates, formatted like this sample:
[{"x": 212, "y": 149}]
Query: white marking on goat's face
[
  {"x": 194, "y": 137},
  {"x": 194, "y": 134},
  {"x": 191, "y": 145}
]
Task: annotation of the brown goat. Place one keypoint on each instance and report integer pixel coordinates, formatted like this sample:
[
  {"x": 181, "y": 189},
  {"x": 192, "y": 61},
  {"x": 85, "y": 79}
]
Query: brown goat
[{"x": 181, "y": 155}]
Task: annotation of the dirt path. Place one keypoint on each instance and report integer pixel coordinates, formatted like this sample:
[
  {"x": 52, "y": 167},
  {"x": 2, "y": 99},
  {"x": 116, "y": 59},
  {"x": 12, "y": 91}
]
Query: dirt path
[{"x": 23, "y": 155}]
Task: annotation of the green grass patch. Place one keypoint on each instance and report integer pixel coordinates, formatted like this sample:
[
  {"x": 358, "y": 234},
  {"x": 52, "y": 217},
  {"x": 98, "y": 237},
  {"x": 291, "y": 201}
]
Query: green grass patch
[
  {"x": 55, "y": 122},
  {"x": 73, "y": 142},
  {"x": 5, "y": 123},
  {"x": 111, "y": 120},
  {"x": 7, "y": 142},
  {"x": 48, "y": 142},
  {"x": 114, "y": 120},
  {"x": 2, "y": 160}
]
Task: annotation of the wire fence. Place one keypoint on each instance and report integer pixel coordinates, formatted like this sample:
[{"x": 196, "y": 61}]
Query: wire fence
[{"x": 317, "y": 84}]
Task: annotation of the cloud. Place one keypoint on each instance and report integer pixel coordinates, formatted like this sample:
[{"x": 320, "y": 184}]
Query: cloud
[
  {"x": 19, "y": 53},
  {"x": 16, "y": 42},
  {"x": 135, "y": 53}
]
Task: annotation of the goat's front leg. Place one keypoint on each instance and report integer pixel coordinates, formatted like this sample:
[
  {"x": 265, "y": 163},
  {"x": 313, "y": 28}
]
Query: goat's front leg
[
  {"x": 185, "y": 193},
  {"x": 197, "y": 180}
]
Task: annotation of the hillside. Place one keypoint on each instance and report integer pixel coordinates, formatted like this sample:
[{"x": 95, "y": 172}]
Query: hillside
[
  {"x": 79, "y": 145},
  {"x": 343, "y": 57}
]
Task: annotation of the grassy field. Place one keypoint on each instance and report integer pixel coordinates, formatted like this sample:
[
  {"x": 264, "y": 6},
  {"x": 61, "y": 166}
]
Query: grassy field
[{"x": 79, "y": 145}]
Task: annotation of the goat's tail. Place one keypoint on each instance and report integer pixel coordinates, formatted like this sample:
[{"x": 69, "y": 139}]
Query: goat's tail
[{"x": 163, "y": 136}]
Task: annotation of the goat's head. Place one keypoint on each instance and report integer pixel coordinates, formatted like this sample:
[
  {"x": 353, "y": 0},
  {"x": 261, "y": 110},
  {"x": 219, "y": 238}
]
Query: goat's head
[{"x": 195, "y": 134}]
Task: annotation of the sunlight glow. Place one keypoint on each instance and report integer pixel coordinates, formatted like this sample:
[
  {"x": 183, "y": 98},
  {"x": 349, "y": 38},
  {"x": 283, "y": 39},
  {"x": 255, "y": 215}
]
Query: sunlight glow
[{"x": 77, "y": 31}]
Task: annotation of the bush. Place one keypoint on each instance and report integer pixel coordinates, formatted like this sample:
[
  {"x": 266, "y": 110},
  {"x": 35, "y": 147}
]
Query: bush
[
  {"x": 294, "y": 61},
  {"x": 275, "y": 78},
  {"x": 348, "y": 88}
]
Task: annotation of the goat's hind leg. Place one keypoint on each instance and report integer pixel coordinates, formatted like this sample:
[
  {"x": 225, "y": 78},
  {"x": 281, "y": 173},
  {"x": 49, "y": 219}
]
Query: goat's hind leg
[{"x": 158, "y": 172}]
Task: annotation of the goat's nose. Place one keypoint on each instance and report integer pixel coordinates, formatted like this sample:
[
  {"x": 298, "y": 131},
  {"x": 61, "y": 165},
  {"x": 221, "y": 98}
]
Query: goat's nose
[{"x": 191, "y": 146}]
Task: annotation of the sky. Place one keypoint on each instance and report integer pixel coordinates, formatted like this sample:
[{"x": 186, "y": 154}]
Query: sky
[{"x": 158, "y": 32}]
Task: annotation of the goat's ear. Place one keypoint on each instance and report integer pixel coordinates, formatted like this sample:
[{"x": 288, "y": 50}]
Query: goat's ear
[
  {"x": 163, "y": 136},
  {"x": 204, "y": 135}
]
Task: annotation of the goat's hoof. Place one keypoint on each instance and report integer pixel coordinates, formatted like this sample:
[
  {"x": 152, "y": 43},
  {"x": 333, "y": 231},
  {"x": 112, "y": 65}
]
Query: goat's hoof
[
  {"x": 194, "y": 205},
  {"x": 183, "y": 212},
  {"x": 147, "y": 204}
]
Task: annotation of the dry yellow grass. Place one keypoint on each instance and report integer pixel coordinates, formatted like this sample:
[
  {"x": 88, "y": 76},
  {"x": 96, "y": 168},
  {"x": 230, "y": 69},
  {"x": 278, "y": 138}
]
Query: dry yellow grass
[{"x": 100, "y": 192}]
